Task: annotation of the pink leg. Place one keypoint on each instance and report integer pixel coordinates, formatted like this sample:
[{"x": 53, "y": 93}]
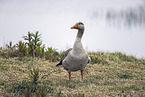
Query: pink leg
[
  {"x": 82, "y": 74},
  {"x": 69, "y": 74}
]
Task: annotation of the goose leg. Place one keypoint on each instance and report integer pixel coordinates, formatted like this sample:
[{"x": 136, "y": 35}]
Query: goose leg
[
  {"x": 82, "y": 75},
  {"x": 69, "y": 74}
]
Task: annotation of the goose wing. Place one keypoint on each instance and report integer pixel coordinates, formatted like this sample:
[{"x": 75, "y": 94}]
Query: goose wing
[{"x": 64, "y": 56}]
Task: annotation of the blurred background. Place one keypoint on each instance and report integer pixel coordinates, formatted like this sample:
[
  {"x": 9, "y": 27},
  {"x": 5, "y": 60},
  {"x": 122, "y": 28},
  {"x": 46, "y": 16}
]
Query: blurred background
[{"x": 110, "y": 25}]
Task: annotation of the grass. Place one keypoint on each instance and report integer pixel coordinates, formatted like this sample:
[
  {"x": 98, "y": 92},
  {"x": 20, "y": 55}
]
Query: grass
[{"x": 109, "y": 74}]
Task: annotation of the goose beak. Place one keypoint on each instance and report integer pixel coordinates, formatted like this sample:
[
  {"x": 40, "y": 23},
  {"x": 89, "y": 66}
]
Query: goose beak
[{"x": 75, "y": 26}]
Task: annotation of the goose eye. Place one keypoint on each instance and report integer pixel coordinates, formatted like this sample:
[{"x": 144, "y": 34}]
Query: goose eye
[{"x": 80, "y": 23}]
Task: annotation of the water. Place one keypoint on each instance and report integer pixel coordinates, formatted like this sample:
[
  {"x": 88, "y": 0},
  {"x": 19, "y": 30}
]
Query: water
[{"x": 54, "y": 18}]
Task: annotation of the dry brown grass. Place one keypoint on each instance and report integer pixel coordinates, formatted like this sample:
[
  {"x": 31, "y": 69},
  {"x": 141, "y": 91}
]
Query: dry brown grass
[{"x": 111, "y": 76}]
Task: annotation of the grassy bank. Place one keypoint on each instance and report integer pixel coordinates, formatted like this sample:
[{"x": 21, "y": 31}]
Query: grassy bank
[{"x": 109, "y": 74}]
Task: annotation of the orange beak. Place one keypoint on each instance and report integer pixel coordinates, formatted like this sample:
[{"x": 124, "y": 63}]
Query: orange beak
[{"x": 75, "y": 26}]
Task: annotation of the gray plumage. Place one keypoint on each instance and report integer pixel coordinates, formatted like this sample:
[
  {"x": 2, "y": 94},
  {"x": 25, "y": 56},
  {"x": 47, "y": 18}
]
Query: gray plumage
[
  {"x": 75, "y": 58},
  {"x": 66, "y": 53}
]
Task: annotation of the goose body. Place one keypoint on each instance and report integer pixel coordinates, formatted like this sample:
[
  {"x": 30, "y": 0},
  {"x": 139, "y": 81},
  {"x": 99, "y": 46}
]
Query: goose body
[{"x": 75, "y": 58}]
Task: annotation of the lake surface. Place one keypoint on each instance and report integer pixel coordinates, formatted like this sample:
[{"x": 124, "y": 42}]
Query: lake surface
[{"x": 53, "y": 20}]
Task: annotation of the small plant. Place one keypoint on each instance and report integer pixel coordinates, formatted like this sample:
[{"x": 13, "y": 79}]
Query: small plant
[
  {"x": 10, "y": 51},
  {"x": 27, "y": 92},
  {"x": 58, "y": 94},
  {"x": 29, "y": 43},
  {"x": 51, "y": 54},
  {"x": 34, "y": 75},
  {"x": 34, "y": 42},
  {"x": 40, "y": 92},
  {"x": 40, "y": 51},
  {"x": 22, "y": 49},
  {"x": 9, "y": 46}
]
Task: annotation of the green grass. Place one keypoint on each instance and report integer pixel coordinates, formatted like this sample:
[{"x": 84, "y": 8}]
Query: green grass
[{"x": 109, "y": 74}]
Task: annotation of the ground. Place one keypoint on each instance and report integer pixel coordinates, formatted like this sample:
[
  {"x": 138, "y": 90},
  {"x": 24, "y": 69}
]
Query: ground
[{"x": 109, "y": 78}]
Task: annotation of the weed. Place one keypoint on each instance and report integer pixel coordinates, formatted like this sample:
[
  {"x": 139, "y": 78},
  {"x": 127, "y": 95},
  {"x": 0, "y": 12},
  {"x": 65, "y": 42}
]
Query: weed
[
  {"x": 52, "y": 54},
  {"x": 34, "y": 75}
]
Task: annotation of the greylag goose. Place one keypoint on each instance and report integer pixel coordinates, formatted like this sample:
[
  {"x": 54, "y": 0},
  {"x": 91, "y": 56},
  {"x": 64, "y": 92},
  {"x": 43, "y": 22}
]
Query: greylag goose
[{"x": 75, "y": 58}]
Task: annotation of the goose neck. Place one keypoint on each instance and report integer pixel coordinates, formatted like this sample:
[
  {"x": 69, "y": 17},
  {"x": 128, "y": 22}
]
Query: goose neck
[{"x": 80, "y": 34}]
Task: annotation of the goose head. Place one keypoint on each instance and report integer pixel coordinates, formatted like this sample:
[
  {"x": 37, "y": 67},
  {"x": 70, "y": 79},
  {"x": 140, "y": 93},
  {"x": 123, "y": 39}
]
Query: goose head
[{"x": 79, "y": 26}]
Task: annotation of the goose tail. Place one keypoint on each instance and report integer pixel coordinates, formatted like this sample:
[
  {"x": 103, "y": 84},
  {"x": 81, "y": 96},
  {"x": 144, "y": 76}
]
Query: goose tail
[{"x": 60, "y": 63}]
